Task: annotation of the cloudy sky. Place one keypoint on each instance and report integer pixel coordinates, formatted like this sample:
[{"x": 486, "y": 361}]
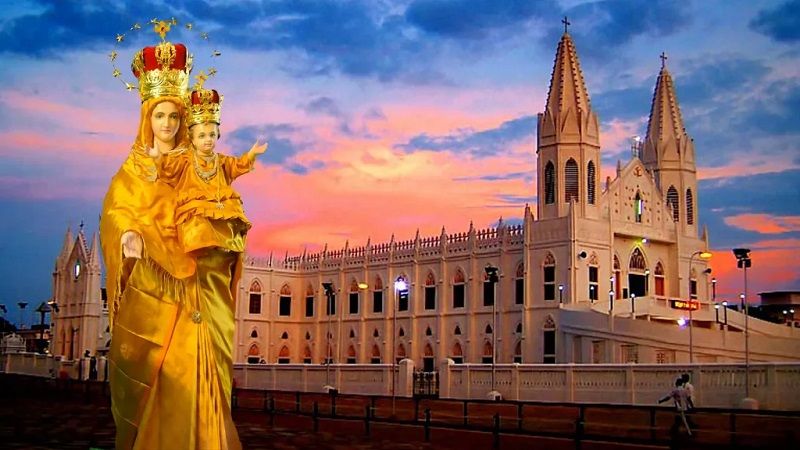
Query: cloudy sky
[{"x": 391, "y": 116}]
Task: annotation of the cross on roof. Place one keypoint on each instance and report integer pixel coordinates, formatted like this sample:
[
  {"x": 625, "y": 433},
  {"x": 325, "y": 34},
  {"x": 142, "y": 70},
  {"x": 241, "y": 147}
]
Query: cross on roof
[
  {"x": 663, "y": 57},
  {"x": 566, "y": 23}
]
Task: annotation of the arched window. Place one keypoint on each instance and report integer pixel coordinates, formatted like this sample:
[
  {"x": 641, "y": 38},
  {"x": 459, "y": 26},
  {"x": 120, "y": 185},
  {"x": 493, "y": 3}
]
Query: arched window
[
  {"x": 457, "y": 354},
  {"x": 307, "y": 355},
  {"x": 375, "y": 333},
  {"x": 351, "y": 355},
  {"x": 549, "y": 341},
  {"x": 488, "y": 353},
  {"x": 689, "y": 207},
  {"x": 255, "y": 298},
  {"x": 354, "y": 296},
  {"x": 430, "y": 292},
  {"x": 254, "y": 333},
  {"x": 402, "y": 297},
  {"x": 617, "y": 277},
  {"x": 673, "y": 202},
  {"x": 402, "y": 332},
  {"x": 518, "y": 330},
  {"x": 428, "y": 331},
  {"x": 376, "y": 355},
  {"x": 519, "y": 285},
  {"x": 310, "y": 301},
  {"x": 401, "y": 353},
  {"x": 253, "y": 354},
  {"x": 571, "y": 181},
  {"x": 659, "y": 279},
  {"x": 352, "y": 333},
  {"x": 638, "y": 207},
  {"x": 590, "y": 181},
  {"x": 549, "y": 274},
  {"x": 488, "y": 329},
  {"x": 457, "y": 331},
  {"x": 518, "y": 352},
  {"x": 285, "y": 306},
  {"x": 549, "y": 183},
  {"x": 308, "y": 336},
  {"x": 285, "y": 335},
  {"x": 637, "y": 262},
  {"x": 377, "y": 295},
  {"x": 459, "y": 287},
  {"x": 284, "y": 356}
]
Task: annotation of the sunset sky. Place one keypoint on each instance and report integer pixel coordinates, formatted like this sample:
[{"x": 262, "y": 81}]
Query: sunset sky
[{"x": 385, "y": 117}]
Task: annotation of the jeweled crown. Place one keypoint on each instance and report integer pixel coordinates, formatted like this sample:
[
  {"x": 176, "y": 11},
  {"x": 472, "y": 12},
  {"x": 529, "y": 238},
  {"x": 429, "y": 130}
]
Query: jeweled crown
[
  {"x": 162, "y": 70},
  {"x": 204, "y": 104}
]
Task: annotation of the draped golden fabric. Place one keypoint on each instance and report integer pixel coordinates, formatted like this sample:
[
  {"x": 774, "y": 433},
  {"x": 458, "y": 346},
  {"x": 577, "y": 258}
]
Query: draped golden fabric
[{"x": 170, "y": 361}]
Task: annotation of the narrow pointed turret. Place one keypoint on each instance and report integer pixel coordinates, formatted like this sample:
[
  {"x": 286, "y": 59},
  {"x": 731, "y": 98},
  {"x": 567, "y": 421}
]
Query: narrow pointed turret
[
  {"x": 68, "y": 241},
  {"x": 567, "y": 88},
  {"x": 94, "y": 252}
]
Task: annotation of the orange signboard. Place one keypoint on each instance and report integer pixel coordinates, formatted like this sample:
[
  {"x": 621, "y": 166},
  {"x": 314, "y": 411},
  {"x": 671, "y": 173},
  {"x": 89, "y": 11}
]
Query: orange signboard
[{"x": 692, "y": 305}]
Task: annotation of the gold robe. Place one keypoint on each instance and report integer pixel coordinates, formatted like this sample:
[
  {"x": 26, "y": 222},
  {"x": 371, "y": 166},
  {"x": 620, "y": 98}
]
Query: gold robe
[{"x": 170, "y": 361}]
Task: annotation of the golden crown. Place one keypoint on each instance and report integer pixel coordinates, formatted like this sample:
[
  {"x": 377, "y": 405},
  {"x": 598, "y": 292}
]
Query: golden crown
[
  {"x": 162, "y": 70},
  {"x": 204, "y": 104}
]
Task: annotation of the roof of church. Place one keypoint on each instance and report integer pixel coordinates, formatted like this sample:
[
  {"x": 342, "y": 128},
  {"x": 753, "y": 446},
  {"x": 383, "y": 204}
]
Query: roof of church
[{"x": 567, "y": 88}]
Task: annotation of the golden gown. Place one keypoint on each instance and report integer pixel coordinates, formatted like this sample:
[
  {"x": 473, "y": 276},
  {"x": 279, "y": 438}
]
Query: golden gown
[{"x": 172, "y": 318}]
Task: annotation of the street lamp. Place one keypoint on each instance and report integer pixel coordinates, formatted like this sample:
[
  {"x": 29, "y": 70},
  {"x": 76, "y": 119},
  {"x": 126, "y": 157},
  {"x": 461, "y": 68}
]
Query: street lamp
[
  {"x": 22, "y": 306},
  {"x": 633, "y": 299},
  {"x": 399, "y": 286},
  {"x": 328, "y": 353},
  {"x": 591, "y": 293},
  {"x": 647, "y": 282},
  {"x": 714, "y": 289},
  {"x": 703, "y": 255},
  {"x": 611, "y": 300},
  {"x": 560, "y": 293},
  {"x": 725, "y": 312},
  {"x": 492, "y": 277},
  {"x": 743, "y": 262}
]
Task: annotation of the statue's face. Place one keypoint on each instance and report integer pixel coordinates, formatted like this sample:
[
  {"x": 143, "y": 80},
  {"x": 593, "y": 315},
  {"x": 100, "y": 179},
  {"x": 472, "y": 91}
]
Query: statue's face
[
  {"x": 165, "y": 120},
  {"x": 204, "y": 136}
]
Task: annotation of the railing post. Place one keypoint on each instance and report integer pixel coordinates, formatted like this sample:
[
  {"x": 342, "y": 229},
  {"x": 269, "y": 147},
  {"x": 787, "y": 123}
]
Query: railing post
[
  {"x": 427, "y": 424},
  {"x": 366, "y": 420},
  {"x": 496, "y": 430},
  {"x": 579, "y": 427},
  {"x": 315, "y": 416}
]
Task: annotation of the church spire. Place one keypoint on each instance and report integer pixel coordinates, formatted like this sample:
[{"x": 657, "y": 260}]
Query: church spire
[
  {"x": 666, "y": 135},
  {"x": 567, "y": 88}
]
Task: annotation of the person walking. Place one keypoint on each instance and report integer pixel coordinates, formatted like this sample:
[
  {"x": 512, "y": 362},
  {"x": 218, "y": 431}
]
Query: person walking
[{"x": 679, "y": 398}]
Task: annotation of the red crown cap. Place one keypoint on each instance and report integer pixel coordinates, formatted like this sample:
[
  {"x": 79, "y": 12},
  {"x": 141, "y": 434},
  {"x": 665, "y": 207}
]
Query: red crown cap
[
  {"x": 205, "y": 96},
  {"x": 151, "y": 62}
]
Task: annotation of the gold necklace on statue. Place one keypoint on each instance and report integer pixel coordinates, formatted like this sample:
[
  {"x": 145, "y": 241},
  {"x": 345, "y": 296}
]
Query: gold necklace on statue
[{"x": 206, "y": 175}]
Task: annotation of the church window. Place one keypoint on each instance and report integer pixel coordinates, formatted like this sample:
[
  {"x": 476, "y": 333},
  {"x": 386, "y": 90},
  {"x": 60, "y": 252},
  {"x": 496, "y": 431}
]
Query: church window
[
  {"x": 488, "y": 291},
  {"x": 457, "y": 331},
  {"x": 672, "y": 201},
  {"x": 549, "y": 341},
  {"x": 488, "y": 353},
  {"x": 377, "y": 296},
  {"x": 637, "y": 262},
  {"x": 285, "y": 306},
  {"x": 590, "y": 181},
  {"x": 689, "y": 207},
  {"x": 458, "y": 289},
  {"x": 549, "y": 183},
  {"x": 593, "y": 283},
  {"x": 255, "y": 298},
  {"x": 430, "y": 292},
  {"x": 518, "y": 352},
  {"x": 638, "y": 207},
  {"x": 549, "y": 272},
  {"x": 457, "y": 354},
  {"x": 519, "y": 285},
  {"x": 254, "y": 333},
  {"x": 693, "y": 285},
  {"x": 659, "y": 279},
  {"x": 284, "y": 355},
  {"x": 353, "y": 298},
  {"x": 402, "y": 296},
  {"x": 310, "y": 301},
  {"x": 571, "y": 181}
]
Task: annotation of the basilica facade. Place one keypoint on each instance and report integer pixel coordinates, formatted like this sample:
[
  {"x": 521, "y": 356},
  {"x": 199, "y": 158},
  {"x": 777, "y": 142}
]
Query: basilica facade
[{"x": 601, "y": 271}]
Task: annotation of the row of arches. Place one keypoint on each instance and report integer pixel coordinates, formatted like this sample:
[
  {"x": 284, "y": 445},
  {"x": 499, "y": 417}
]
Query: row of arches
[
  {"x": 571, "y": 185},
  {"x": 674, "y": 205}
]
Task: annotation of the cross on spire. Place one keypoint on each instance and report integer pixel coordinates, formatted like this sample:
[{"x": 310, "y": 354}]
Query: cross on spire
[
  {"x": 663, "y": 57},
  {"x": 566, "y": 23}
]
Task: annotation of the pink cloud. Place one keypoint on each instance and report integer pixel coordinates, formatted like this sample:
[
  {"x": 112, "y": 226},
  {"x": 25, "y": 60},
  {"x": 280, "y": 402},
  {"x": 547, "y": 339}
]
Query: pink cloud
[{"x": 765, "y": 223}]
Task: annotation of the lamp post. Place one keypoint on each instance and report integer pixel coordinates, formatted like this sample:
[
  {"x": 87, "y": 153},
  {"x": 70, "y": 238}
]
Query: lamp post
[
  {"x": 725, "y": 313},
  {"x": 491, "y": 275},
  {"x": 633, "y": 300},
  {"x": 560, "y": 293},
  {"x": 399, "y": 285},
  {"x": 647, "y": 282},
  {"x": 328, "y": 354},
  {"x": 591, "y": 293},
  {"x": 22, "y": 306},
  {"x": 714, "y": 290},
  {"x": 611, "y": 301},
  {"x": 743, "y": 262},
  {"x": 703, "y": 255}
]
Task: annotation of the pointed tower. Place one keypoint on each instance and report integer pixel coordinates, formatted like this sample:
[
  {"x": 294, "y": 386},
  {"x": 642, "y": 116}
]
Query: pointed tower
[
  {"x": 669, "y": 153},
  {"x": 568, "y": 144}
]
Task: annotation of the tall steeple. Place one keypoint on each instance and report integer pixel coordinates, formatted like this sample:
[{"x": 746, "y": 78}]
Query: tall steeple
[
  {"x": 568, "y": 144},
  {"x": 669, "y": 153}
]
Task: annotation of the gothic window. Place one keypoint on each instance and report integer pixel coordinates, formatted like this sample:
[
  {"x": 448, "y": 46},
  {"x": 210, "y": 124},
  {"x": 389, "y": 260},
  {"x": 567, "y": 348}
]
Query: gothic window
[
  {"x": 519, "y": 285},
  {"x": 284, "y": 356},
  {"x": 549, "y": 184},
  {"x": 488, "y": 353},
  {"x": 519, "y": 328},
  {"x": 254, "y": 333},
  {"x": 255, "y": 297},
  {"x": 351, "y": 355},
  {"x": 353, "y": 298},
  {"x": 689, "y": 207},
  {"x": 307, "y": 355},
  {"x": 430, "y": 292},
  {"x": 458, "y": 289},
  {"x": 672, "y": 201},
  {"x": 285, "y": 335},
  {"x": 593, "y": 283},
  {"x": 549, "y": 272},
  {"x": 659, "y": 279},
  {"x": 590, "y": 181},
  {"x": 401, "y": 353},
  {"x": 549, "y": 341},
  {"x": 308, "y": 336},
  {"x": 285, "y": 306},
  {"x": 428, "y": 332},
  {"x": 518, "y": 352},
  {"x": 457, "y": 355},
  {"x": 402, "y": 332},
  {"x": 457, "y": 331},
  {"x": 693, "y": 284},
  {"x": 330, "y": 302},
  {"x": 571, "y": 181},
  {"x": 637, "y": 262},
  {"x": 375, "y": 333},
  {"x": 376, "y": 355},
  {"x": 638, "y": 207},
  {"x": 402, "y": 296},
  {"x": 310, "y": 301},
  {"x": 488, "y": 329},
  {"x": 377, "y": 296},
  {"x": 352, "y": 333},
  {"x": 488, "y": 291}
]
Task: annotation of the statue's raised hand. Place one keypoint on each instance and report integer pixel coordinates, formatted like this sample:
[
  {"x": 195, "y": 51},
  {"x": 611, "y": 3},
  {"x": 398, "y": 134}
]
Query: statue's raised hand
[{"x": 257, "y": 149}]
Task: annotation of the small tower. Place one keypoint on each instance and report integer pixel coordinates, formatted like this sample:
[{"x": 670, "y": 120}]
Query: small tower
[
  {"x": 669, "y": 153},
  {"x": 568, "y": 144}
]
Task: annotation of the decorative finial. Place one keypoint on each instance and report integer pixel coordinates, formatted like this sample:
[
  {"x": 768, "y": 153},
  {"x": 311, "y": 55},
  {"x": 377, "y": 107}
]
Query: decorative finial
[
  {"x": 566, "y": 23},
  {"x": 81, "y": 226},
  {"x": 162, "y": 28},
  {"x": 663, "y": 57},
  {"x": 201, "y": 79}
]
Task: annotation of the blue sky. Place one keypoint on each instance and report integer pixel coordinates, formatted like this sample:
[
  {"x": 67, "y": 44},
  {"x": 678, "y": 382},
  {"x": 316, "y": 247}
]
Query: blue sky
[{"x": 391, "y": 116}]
